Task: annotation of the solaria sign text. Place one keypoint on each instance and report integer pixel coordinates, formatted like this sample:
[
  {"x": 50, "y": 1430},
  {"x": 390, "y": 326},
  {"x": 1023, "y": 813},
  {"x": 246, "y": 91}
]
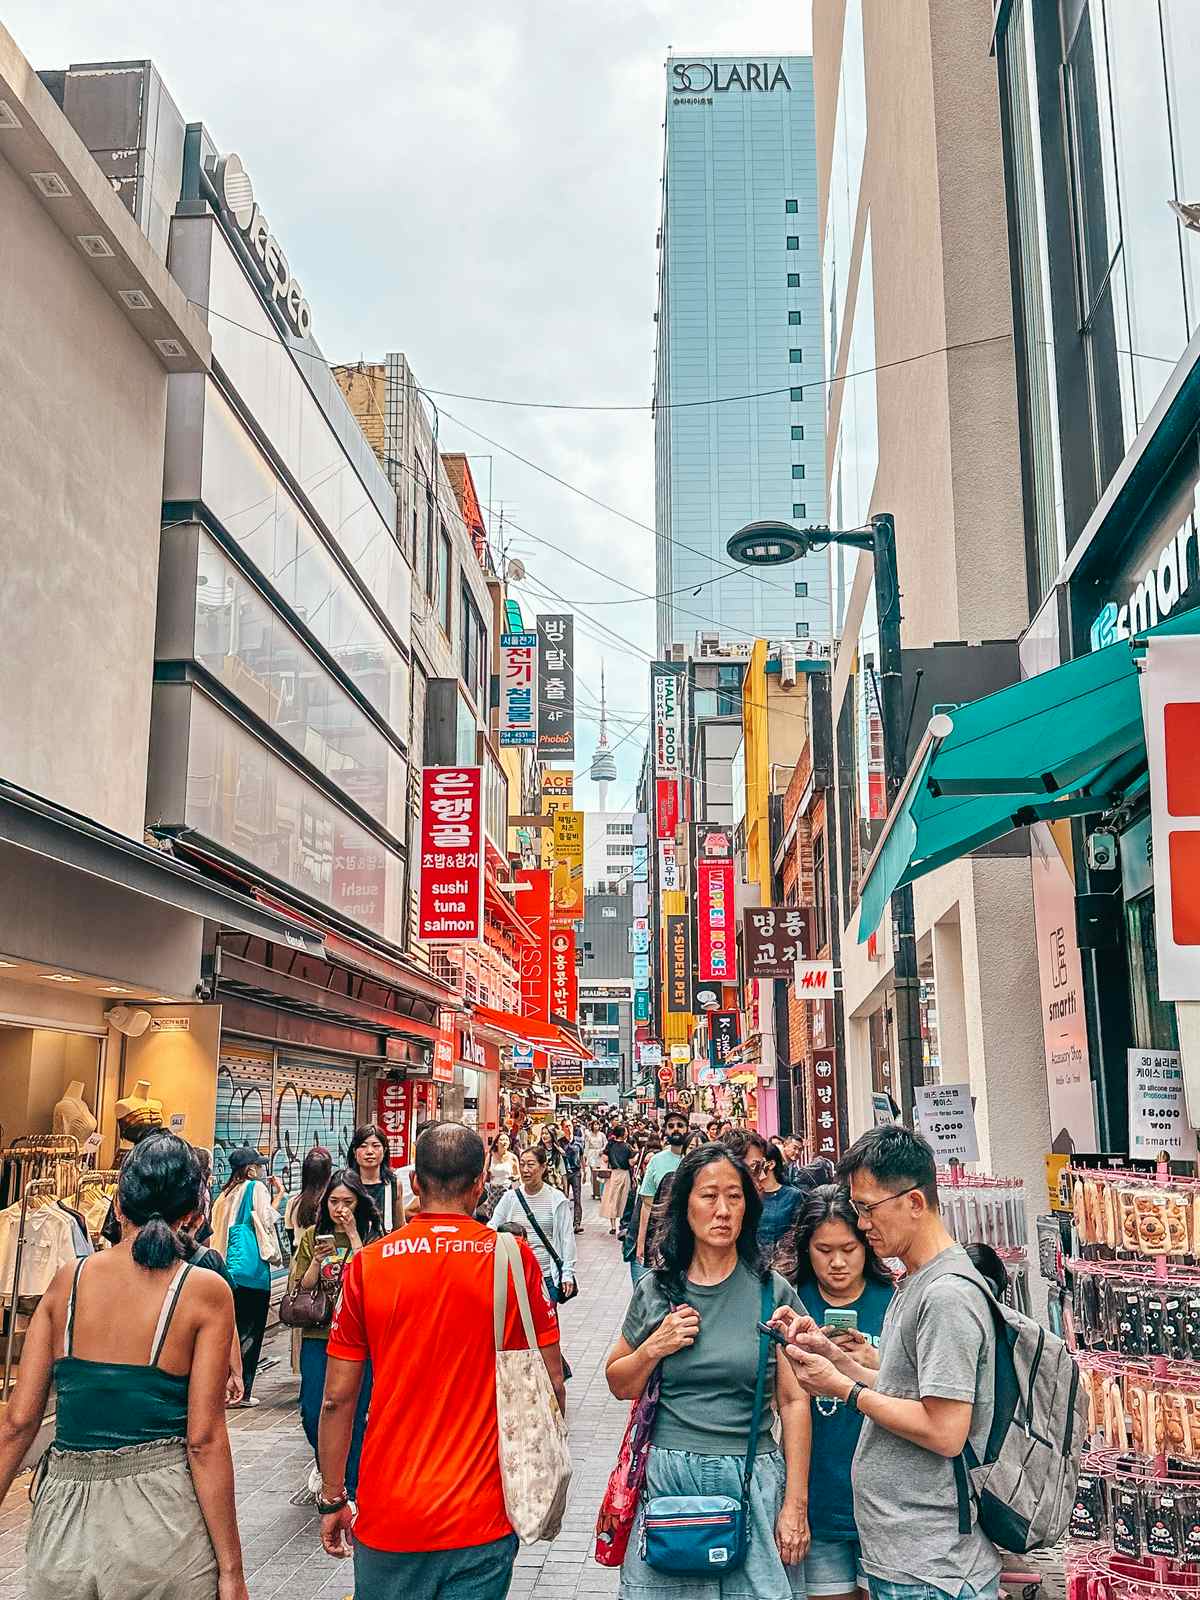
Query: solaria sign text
[
  {"x": 719, "y": 77},
  {"x": 237, "y": 197}
]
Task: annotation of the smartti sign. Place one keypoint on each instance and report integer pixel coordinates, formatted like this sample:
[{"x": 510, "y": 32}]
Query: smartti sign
[
  {"x": 237, "y": 201},
  {"x": 1154, "y": 591},
  {"x": 694, "y": 83}
]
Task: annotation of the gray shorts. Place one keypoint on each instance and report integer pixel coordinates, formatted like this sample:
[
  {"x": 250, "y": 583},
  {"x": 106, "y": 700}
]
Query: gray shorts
[
  {"x": 119, "y": 1525},
  {"x": 478, "y": 1572}
]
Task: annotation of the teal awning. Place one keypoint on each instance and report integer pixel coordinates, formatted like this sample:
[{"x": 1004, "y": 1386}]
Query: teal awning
[{"x": 1061, "y": 744}]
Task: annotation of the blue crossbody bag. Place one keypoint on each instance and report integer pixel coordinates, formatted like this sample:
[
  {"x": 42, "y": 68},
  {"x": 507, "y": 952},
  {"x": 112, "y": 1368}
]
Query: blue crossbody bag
[{"x": 708, "y": 1533}]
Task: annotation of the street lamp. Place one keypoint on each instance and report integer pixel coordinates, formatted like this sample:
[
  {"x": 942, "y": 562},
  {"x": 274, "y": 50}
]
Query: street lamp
[{"x": 773, "y": 544}]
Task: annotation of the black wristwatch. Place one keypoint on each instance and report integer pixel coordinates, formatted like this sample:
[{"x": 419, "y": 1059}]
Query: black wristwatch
[
  {"x": 852, "y": 1397},
  {"x": 327, "y": 1508}
]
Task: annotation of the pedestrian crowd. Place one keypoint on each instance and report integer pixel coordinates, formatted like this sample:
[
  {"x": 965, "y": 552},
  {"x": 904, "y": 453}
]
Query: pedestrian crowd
[{"x": 812, "y": 1364}]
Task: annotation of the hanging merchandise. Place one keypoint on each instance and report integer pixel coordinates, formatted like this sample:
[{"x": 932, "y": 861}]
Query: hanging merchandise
[
  {"x": 39, "y": 1232},
  {"x": 1134, "y": 1286},
  {"x": 978, "y": 1209}
]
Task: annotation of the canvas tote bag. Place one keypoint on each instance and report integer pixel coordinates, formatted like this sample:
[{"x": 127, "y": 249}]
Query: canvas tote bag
[{"x": 535, "y": 1459}]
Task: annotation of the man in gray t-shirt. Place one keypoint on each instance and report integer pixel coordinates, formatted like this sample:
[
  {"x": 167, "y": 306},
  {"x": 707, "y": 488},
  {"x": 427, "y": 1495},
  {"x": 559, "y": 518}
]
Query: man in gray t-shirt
[{"x": 932, "y": 1393}]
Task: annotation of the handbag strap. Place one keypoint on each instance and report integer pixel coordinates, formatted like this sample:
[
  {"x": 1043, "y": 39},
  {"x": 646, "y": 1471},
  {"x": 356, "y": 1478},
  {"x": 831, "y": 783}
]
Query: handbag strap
[
  {"x": 767, "y": 1307},
  {"x": 508, "y": 1255},
  {"x": 537, "y": 1228}
]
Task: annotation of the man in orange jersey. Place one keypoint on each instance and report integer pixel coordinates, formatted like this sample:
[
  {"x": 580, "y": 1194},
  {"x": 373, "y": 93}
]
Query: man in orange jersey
[{"x": 430, "y": 1523}]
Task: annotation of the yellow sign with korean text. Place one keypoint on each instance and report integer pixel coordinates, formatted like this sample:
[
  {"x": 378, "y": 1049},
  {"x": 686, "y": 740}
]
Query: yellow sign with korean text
[{"x": 567, "y": 892}]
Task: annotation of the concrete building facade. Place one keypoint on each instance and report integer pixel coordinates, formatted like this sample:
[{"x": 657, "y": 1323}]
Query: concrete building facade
[
  {"x": 739, "y": 413},
  {"x": 918, "y": 316}
]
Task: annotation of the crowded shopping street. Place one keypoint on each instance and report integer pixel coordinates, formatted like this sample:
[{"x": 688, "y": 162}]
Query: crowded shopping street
[{"x": 600, "y": 800}]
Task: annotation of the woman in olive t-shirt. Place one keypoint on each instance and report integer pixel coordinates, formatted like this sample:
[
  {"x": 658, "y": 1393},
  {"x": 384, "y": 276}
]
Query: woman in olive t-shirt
[{"x": 697, "y": 1315}]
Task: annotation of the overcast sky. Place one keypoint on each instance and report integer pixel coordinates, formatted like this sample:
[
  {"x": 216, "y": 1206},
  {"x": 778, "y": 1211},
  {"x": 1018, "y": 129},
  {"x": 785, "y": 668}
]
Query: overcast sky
[{"x": 478, "y": 186}]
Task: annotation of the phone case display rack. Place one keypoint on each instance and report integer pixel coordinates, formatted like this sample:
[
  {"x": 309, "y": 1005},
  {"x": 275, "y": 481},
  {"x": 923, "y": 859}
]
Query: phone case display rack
[
  {"x": 978, "y": 1209},
  {"x": 1135, "y": 1326}
]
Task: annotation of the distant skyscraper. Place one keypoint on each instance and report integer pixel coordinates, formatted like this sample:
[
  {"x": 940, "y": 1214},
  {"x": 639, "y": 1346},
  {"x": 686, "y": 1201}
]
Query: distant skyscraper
[
  {"x": 604, "y": 763},
  {"x": 739, "y": 314}
]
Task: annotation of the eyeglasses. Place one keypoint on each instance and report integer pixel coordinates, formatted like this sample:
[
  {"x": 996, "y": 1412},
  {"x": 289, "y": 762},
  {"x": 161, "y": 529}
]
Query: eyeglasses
[{"x": 865, "y": 1211}]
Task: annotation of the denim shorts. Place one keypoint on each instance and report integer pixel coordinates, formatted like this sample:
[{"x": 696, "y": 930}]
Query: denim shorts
[
  {"x": 834, "y": 1566},
  {"x": 885, "y": 1589}
]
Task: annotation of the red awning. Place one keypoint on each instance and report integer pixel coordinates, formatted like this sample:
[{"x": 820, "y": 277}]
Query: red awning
[
  {"x": 549, "y": 1036},
  {"x": 502, "y": 908}
]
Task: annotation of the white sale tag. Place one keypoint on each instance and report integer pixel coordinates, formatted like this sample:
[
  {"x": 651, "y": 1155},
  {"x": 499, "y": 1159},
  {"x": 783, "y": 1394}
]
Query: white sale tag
[{"x": 947, "y": 1119}]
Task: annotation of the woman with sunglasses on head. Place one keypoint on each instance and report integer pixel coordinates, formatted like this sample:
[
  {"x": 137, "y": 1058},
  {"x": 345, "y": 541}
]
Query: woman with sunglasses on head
[{"x": 838, "y": 1275}]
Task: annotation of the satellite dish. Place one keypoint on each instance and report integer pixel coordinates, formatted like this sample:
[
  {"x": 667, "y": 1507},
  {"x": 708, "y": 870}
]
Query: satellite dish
[
  {"x": 132, "y": 1021},
  {"x": 515, "y": 570}
]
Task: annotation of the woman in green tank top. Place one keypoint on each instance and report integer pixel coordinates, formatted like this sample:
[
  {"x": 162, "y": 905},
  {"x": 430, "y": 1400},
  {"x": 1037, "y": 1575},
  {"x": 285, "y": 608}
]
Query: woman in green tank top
[{"x": 139, "y": 1480}]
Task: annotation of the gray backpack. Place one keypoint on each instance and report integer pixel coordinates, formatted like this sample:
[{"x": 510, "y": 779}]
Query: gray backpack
[{"x": 1024, "y": 1487}]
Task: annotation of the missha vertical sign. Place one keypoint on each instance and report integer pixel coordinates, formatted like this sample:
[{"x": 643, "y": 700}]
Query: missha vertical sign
[
  {"x": 533, "y": 903},
  {"x": 556, "y": 686},
  {"x": 450, "y": 904},
  {"x": 518, "y": 688},
  {"x": 716, "y": 945}
]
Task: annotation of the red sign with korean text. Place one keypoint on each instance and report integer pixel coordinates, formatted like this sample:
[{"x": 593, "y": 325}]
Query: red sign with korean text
[
  {"x": 533, "y": 905},
  {"x": 823, "y": 1105},
  {"x": 450, "y": 906},
  {"x": 393, "y": 1113},
  {"x": 443, "y": 1058},
  {"x": 716, "y": 946},
  {"x": 564, "y": 981},
  {"x": 666, "y": 807}
]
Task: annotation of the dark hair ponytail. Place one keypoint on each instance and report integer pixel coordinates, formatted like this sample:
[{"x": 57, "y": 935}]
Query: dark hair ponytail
[{"x": 159, "y": 1186}]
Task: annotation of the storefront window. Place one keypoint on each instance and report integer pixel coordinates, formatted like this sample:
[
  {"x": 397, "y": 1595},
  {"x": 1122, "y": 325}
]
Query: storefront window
[
  {"x": 1154, "y": 1026},
  {"x": 282, "y": 1105}
]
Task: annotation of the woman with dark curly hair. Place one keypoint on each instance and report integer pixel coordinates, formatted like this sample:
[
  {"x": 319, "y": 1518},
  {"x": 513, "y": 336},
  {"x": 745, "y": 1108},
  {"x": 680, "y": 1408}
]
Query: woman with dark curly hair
[
  {"x": 697, "y": 1315},
  {"x": 836, "y": 1271}
]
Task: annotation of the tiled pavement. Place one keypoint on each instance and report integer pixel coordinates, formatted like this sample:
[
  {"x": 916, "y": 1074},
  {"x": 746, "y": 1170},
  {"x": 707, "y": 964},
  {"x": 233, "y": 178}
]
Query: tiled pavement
[{"x": 283, "y": 1553}]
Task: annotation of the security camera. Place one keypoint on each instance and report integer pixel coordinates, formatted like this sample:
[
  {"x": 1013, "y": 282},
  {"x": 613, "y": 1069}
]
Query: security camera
[{"x": 1102, "y": 850}]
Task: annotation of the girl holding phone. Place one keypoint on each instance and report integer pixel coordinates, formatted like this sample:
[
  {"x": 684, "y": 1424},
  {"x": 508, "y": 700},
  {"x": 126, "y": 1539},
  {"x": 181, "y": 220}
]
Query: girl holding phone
[{"x": 846, "y": 1290}]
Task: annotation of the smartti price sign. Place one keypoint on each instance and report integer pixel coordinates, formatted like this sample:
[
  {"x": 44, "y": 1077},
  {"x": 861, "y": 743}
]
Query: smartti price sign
[
  {"x": 946, "y": 1117},
  {"x": 450, "y": 905}
]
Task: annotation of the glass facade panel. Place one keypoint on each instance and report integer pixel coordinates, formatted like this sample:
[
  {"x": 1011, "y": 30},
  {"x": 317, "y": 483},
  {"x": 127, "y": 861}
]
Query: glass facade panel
[
  {"x": 250, "y": 802},
  {"x": 253, "y": 653},
  {"x": 265, "y": 376},
  {"x": 241, "y": 489},
  {"x": 728, "y": 289},
  {"x": 1041, "y": 399},
  {"x": 1150, "y": 234}
]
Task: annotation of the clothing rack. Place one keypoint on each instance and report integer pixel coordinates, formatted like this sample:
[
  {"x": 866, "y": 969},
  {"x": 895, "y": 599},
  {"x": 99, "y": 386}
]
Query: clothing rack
[
  {"x": 34, "y": 1164},
  {"x": 41, "y": 1155},
  {"x": 34, "y": 1188}
]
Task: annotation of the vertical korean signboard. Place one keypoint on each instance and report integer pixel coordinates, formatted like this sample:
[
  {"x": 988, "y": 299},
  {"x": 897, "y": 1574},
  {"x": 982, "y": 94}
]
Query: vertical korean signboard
[
  {"x": 716, "y": 946},
  {"x": 668, "y": 751},
  {"x": 450, "y": 905},
  {"x": 567, "y": 902},
  {"x": 533, "y": 904},
  {"x": 556, "y": 687},
  {"x": 774, "y": 938},
  {"x": 558, "y": 789},
  {"x": 518, "y": 688},
  {"x": 823, "y": 1105},
  {"x": 724, "y": 1036},
  {"x": 564, "y": 980},
  {"x": 1170, "y": 685},
  {"x": 677, "y": 966}
]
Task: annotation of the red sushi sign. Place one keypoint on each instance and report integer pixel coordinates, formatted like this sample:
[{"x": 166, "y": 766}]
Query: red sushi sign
[{"x": 450, "y": 905}]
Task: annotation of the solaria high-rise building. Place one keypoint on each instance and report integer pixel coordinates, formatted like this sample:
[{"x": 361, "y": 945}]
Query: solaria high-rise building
[{"x": 739, "y": 387}]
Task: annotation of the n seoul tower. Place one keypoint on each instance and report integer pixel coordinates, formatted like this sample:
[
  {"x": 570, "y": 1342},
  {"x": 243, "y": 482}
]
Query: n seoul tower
[{"x": 604, "y": 763}]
